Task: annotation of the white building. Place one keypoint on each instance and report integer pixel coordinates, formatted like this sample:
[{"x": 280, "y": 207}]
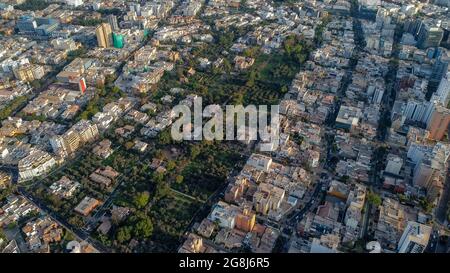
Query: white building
[
  {"x": 415, "y": 238},
  {"x": 444, "y": 90},
  {"x": 74, "y": 3},
  {"x": 394, "y": 164},
  {"x": 223, "y": 214},
  {"x": 260, "y": 162},
  {"x": 35, "y": 164},
  {"x": 327, "y": 243}
]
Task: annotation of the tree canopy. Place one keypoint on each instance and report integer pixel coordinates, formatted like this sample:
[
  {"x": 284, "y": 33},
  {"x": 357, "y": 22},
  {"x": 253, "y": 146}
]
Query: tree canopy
[{"x": 141, "y": 199}]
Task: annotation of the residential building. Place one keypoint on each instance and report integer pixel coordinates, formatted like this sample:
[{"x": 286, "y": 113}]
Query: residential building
[
  {"x": 223, "y": 214},
  {"x": 87, "y": 205},
  {"x": 104, "y": 35},
  {"x": 394, "y": 164},
  {"x": 268, "y": 197},
  {"x": 35, "y": 164},
  {"x": 438, "y": 123},
  {"x": 415, "y": 238},
  {"x": 245, "y": 220},
  {"x": 430, "y": 35},
  {"x": 112, "y": 21},
  {"x": 29, "y": 72}
]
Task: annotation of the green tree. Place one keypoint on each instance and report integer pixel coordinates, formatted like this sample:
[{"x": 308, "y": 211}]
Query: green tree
[
  {"x": 162, "y": 190},
  {"x": 76, "y": 221},
  {"x": 128, "y": 145},
  {"x": 426, "y": 206},
  {"x": 117, "y": 91},
  {"x": 227, "y": 66},
  {"x": 251, "y": 52},
  {"x": 2, "y": 234},
  {"x": 374, "y": 199},
  {"x": 165, "y": 137},
  {"x": 123, "y": 234},
  {"x": 171, "y": 165},
  {"x": 8, "y": 110},
  {"x": 296, "y": 48},
  {"x": 54, "y": 200},
  {"x": 179, "y": 179},
  {"x": 194, "y": 151},
  {"x": 35, "y": 84},
  {"x": 251, "y": 78},
  {"x": 143, "y": 228},
  {"x": 33, "y": 5},
  {"x": 159, "y": 154},
  {"x": 158, "y": 177},
  {"x": 88, "y": 22},
  {"x": 141, "y": 199},
  {"x": 238, "y": 98},
  {"x": 226, "y": 39}
]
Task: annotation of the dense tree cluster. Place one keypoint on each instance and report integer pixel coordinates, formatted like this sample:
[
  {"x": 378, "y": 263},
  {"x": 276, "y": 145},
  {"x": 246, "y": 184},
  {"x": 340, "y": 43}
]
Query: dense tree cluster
[{"x": 33, "y": 5}]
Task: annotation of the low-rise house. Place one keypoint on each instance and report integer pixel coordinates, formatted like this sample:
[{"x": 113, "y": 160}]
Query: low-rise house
[
  {"x": 103, "y": 149},
  {"x": 64, "y": 187},
  {"x": 87, "y": 205},
  {"x": 40, "y": 233},
  {"x": 140, "y": 146},
  {"x": 243, "y": 63}
]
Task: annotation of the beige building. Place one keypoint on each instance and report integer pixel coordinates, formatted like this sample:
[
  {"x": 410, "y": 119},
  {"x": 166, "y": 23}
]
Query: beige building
[
  {"x": 87, "y": 205},
  {"x": 268, "y": 197},
  {"x": 5, "y": 180},
  {"x": 414, "y": 238},
  {"x": 438, "y": 124},
  {"x": 82, "y": 132},
  {"x": 193, "y": 244},
  {"x": 246, "y": 220},
  {"x": 29, "y": 72},
  {"x": 104, "y": 35}
]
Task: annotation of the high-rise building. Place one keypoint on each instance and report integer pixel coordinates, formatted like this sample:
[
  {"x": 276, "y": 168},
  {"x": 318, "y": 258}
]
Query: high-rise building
[
  {"x": 101, "y": 37},
  {"x": 443, "y": 91},
  {"x": 430, "y": 35},
  {"x": 417, "y": 111},
  {"x": 377, "y": 95},
  {"x": 112, "y": 20},
  {"x": 440, "y": 67},
  {"x": 412, "y": 26},
  {"x": 35, "y": 164},
  {"x": 104, "y": 35},
  {"x": 415, "y": 238},
  {"x": 438, "y": 122},
  {"x": 82, "y": 85},
  {"x": 423, "y": 173},
  {"x": 136, "y": 8}
]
